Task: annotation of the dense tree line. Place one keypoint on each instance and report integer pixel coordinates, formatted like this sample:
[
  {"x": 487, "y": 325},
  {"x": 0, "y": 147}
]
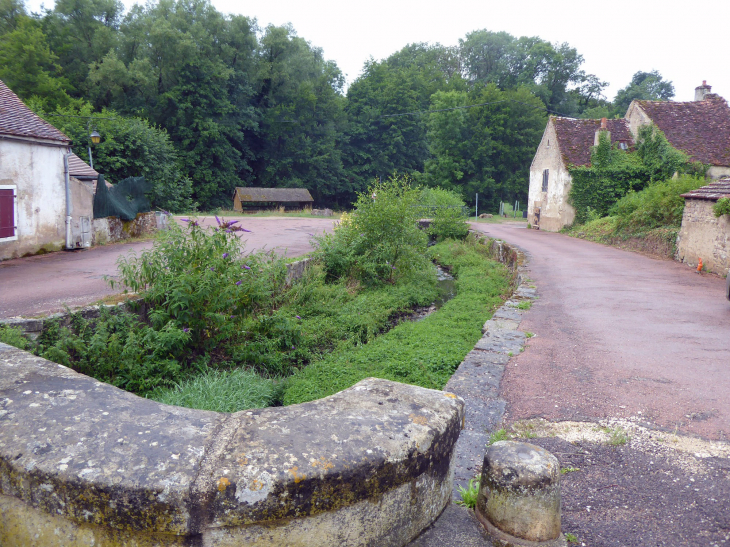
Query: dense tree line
[{"x": 201, "y": 102}]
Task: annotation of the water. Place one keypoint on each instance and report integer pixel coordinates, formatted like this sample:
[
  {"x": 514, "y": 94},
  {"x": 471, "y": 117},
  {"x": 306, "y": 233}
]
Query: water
[{"x": 447, "y": 287}]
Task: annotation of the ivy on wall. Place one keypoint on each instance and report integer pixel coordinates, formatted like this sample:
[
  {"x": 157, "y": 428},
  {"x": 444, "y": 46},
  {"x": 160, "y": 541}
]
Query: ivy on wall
[{"x": 613, "y": 172}]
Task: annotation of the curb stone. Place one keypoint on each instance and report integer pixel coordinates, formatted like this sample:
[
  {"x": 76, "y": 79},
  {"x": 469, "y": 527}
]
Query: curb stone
[{"x": 477, "y": 381}]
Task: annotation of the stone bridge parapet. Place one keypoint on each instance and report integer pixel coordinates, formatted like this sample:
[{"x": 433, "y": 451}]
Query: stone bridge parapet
[{"x": 85, "y": 463}]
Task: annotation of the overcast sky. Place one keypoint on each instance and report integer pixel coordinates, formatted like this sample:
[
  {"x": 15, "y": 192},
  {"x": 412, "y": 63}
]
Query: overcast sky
[{"x": 687, "y": 42}]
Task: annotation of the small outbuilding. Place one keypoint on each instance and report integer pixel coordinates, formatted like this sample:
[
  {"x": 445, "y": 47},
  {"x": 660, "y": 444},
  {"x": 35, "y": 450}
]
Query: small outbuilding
[
  {"x": 703, "y": 235},
  {"x": 260, "y": 199}
]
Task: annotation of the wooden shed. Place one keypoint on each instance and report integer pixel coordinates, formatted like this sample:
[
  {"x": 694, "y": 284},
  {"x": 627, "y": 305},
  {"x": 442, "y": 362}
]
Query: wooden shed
[
  {"x": 703, "y": 235},
  {"x": 257, "y": 199}
]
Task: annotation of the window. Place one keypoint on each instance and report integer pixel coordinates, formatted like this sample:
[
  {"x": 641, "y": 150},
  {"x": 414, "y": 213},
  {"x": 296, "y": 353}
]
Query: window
[
  {"x": 545, "y": 176},
  {"x": 8, "y": 213},
  {"x": 622, "y": 145}
]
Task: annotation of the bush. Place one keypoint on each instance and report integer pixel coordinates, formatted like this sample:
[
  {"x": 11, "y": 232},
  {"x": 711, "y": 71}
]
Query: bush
[
  {"x": 380, "y": 242},
  {"x": 659, "y": 204},
  {"x": 446, "y": 210},
  {"x": 721, "y": 207}
]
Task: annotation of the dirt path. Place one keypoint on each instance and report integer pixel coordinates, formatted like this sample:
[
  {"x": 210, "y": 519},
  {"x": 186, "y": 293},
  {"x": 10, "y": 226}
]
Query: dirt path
[
  {"x": 45, "y": 284},
  {"x": 619, "y": 335}
]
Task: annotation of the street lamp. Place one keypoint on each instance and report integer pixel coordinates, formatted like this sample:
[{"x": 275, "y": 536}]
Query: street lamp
[{"x": 96, "y": 139}]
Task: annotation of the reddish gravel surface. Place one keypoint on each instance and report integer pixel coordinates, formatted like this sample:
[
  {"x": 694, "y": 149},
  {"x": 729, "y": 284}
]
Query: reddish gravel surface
[
  {"x": 619, "y": 334},
  {"x": 43, "y": 284}
]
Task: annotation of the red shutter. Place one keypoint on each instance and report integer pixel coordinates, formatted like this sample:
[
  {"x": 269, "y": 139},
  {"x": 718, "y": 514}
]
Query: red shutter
[{"x": 7, "y": 213}]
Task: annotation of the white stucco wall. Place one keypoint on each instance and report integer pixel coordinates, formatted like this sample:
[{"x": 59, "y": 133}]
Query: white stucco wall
[
  {"x": 37, "y": 172},
  {"x": 556, "y": 212},
  {"x": 637, "y": 118}
]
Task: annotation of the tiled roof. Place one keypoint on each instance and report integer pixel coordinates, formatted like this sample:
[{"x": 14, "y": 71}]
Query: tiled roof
[
  {"x": 576, "y": 137},
  {"x": 699, "y": 128},
  {"x": 19, "y": 120},
  {"x": 273, "y": 194},
  {"x": 713, "y": 192},
  {"x": 80, "y": 169}
]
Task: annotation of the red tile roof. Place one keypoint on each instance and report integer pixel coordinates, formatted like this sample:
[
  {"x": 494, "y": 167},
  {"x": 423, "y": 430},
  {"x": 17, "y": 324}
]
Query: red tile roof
[
  {"x": 699, "y": 128},
  {"x": 576, "y": 137},
  {"x": 80, "y": 169},
  {"x": 712, "y": 192},
  {"x": 18, "y": 120}
]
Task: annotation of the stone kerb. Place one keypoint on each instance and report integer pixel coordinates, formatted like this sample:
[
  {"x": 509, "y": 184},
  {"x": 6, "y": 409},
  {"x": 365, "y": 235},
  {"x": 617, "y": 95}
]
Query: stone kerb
[{"x": 84, "y": 463}]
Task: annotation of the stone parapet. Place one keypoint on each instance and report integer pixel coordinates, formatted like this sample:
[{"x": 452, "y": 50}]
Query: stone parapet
[{"x": 82, "y": 462}]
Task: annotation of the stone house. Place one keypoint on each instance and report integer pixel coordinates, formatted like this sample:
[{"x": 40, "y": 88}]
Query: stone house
[
  {"x": 566, "y": 142},
  {"x": 700, "y": 128},
  {"x": 42, "y": 207},
  {"x": 703, "y": 235}
]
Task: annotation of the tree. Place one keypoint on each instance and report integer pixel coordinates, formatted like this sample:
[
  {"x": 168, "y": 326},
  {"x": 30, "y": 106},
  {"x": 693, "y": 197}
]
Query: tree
[
  {"x": 27, "y": 65},
  {"x": 645, "y": 86},
  {"x": 130, "y": 147}
]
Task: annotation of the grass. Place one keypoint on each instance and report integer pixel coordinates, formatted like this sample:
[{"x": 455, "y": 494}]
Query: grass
[
  {"x": 569, "y": 469},
  {"x": 571, "y": 538},
  {"x": 524, "y": 305},
  {"x": 618, "y": 436},
  {"x": 424, "y": 353},
  {"x": 499, "y": 435},
  {"x": 469, "y": 495},
  {"x": 221, "y": 391}
]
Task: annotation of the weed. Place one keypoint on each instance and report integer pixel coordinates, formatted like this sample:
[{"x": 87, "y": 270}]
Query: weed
[
  {"x": 469, "y": 495},
  {"x": 524, "y": 305},
  {"x": 618, "y": 436},
  {"x": 569, "y": 469},
  {"x": 499, "y": 435},
  {"x": 571, "y": 538},
  {"x": 529, "y": 334},
  {"x": 524, "y": 430}
]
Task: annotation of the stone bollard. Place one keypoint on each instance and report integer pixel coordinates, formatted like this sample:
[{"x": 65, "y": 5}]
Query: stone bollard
[{"x": 519, "y": 496}]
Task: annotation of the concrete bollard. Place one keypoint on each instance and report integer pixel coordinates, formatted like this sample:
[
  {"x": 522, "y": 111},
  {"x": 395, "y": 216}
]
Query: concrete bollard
[{"x": 519, "y": 496}]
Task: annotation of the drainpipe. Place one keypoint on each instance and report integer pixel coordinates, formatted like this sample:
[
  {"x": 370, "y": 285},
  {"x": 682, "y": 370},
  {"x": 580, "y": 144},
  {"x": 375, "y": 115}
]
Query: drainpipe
[{"x": 69, "y": 243}]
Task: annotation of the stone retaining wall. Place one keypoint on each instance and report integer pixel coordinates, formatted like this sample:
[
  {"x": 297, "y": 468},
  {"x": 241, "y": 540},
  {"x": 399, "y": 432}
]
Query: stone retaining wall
[{"x": 84, "y": 463}]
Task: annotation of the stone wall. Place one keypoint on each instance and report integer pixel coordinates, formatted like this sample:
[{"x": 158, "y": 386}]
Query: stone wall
[
  {"x": 705, "y": 236},
  {"x": 112, "y": 229},
  {"x": 84, "y": 463}
]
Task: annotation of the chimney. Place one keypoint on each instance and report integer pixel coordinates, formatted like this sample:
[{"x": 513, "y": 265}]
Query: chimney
[
  {"x": 702, "y": 91},
  {"x": 604, "y": 127}
]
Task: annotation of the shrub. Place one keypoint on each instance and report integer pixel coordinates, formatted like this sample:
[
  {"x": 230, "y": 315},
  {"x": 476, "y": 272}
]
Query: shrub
[
  {"x": 380, "y": 242},
  {"x": 721, "y": 207},
  {"x": 446, "y": 210},
  {"x": 659, "y": 204}
]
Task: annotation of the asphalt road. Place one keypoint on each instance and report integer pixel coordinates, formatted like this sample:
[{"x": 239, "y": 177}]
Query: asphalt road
[
  {"x": 47, "y": 283},
  {"x": 619, "y": 334}
]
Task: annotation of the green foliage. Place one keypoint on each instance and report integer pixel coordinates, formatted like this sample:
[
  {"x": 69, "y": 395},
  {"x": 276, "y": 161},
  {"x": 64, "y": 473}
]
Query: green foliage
[
  {"x": 380, "y": 242},
  {"x": 220, "y": 391},
  {"x": 485, "y": 149},
  {"x": 615, "y": 173},
  {"x": 499, "y": 435},
  {"x": 645, "y": 86},
  {"x": 571, "y": 538},
  {"x": 612, "y": 173},
  {"x": 659, "y": 204},
  {"x": 130, "y": 147},
  {"x": 721, "y": 207},
  {"x": 118, "y": 349},
  {"x": 470, "y": 494},
  {"x": 13, "y": 337},
  {"x": 447, "y": 212},
  {"x": 424, "y": 353},
  {"x": 200, "y": 280}
]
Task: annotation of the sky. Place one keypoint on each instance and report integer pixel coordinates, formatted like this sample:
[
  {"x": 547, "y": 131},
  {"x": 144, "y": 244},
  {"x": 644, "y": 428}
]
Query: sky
[{"x": 687, "y": 42}]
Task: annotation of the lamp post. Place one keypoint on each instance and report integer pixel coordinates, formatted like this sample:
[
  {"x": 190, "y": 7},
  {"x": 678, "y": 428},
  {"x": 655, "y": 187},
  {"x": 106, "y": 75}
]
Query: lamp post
[{"x": 95, "y": 139}]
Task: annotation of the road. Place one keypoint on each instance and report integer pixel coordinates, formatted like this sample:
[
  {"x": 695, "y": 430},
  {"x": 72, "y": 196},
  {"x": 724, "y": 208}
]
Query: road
[
  {"x": 618, "y": 334},
  {"x": 44, "y": 284}
]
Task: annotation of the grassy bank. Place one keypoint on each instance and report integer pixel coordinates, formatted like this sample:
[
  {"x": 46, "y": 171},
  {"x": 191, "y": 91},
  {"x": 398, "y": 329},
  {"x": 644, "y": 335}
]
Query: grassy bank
[{"x": 424, "y": 353}]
